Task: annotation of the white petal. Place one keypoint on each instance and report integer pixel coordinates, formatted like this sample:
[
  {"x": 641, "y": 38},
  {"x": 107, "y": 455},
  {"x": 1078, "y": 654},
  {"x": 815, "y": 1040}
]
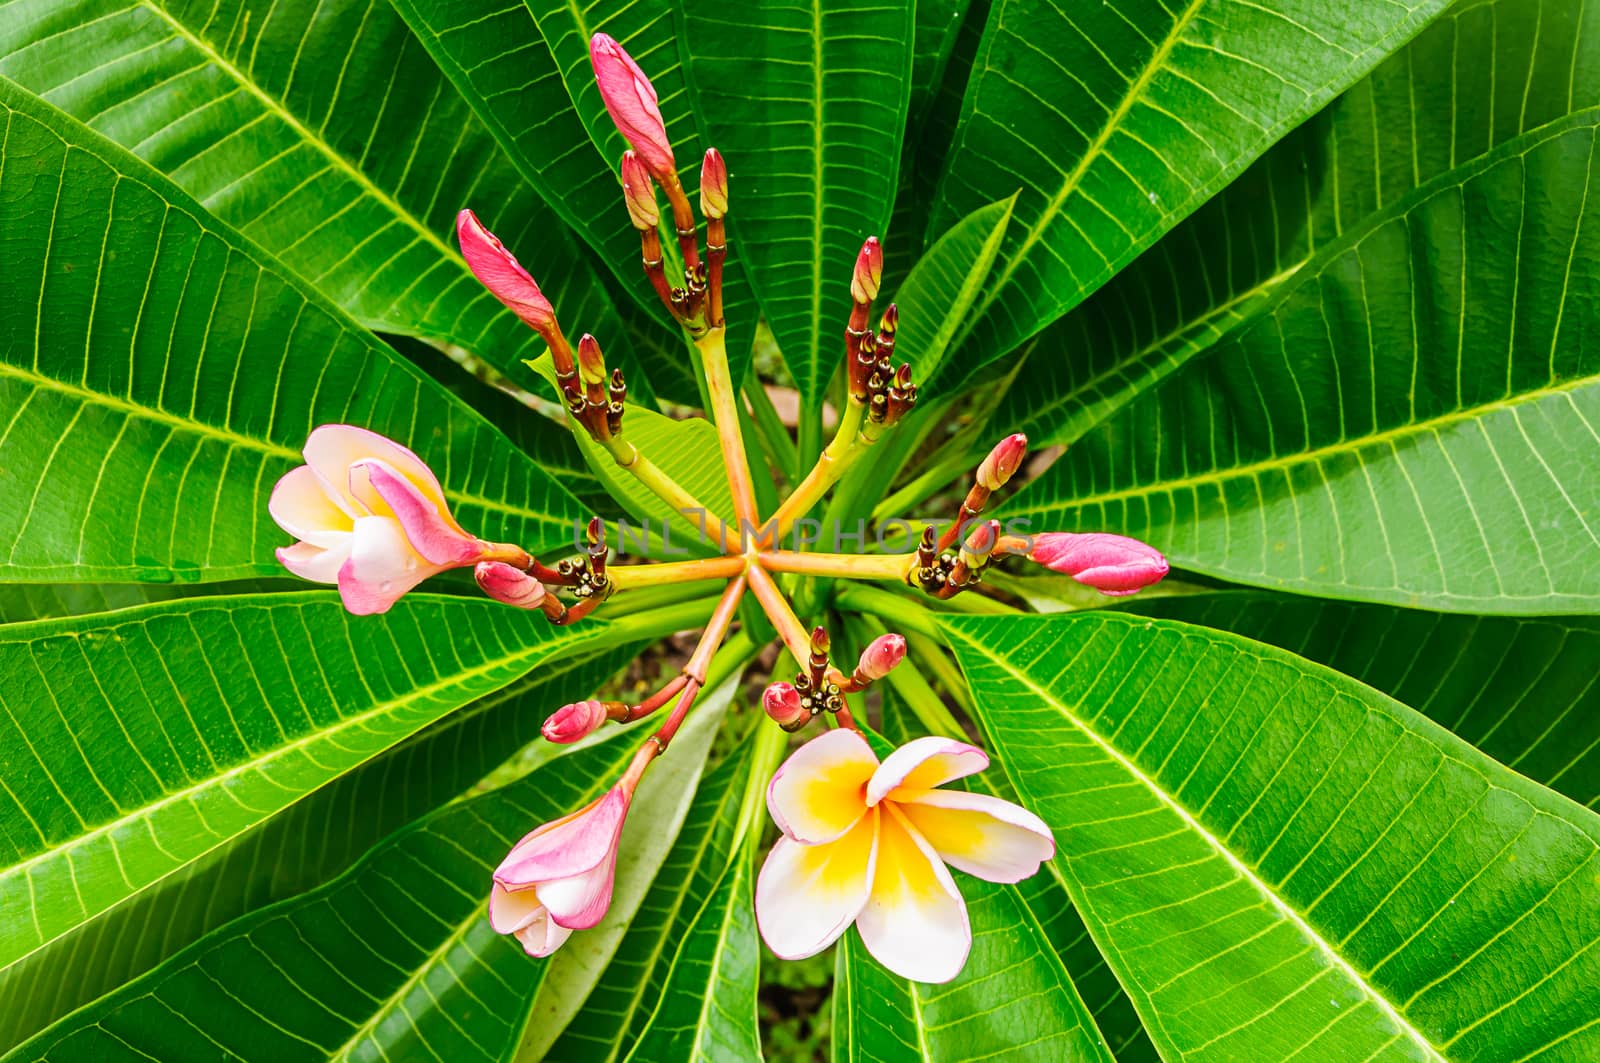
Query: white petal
[
  {"x": 981, "y": 835},
  {"x": 807, "y": 895},
  {"x": 332, "y": 448},
  {"x": 304, "y": 506},
  {"x": 312, "y": 562},
  {"x": 915, "y": 922},
  {"x": 580, "y": 902},
  {"x": 819, "y": 792},
  {"x": 924, "y": 763},
  {"x": 381, "y": 567},
  {"x": 522, "y": 914}
]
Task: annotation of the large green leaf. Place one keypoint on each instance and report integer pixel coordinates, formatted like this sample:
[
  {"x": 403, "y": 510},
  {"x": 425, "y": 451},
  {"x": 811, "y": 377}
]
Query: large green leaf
[
  {"x": 809, "y": 106},
  {"x": 159, "y": 374},
  {"x": 1514, "y": 65},
  {"x": 1523, "y": 690},
  {"x": 326, "y": 135},
  {"x": 298, "y": 849},
  {"x": 143, "y": 740},
  {"x": 394, "y": 959},
  {"x": 1277, "y": 859},
  {"x": 941, "y": 287},
  {"x": 1446, "y": 464},
  {"x": 1149, "y": 110}
]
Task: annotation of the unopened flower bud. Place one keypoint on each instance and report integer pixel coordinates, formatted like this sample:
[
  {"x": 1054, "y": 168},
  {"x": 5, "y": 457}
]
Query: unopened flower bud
[
  {"x": 572, "y": 722},
  {"x": 714, "y": 186},
  {"x": 782, "y": 702},
  {"x": 868, "y": 276},
  {"x": 591, "y": 363},
  {"x": 640, "y": 192},
  {"x": 498, "y": 271},
  {"x": 1114, "y": 565},
  {"x": 980, "y": 544},
  {"x": 880, "y": 657},
  {"x": 509, "y": 585},
  {"x": 1002, "y": 462},
  {"x": 630, "y": 99}
]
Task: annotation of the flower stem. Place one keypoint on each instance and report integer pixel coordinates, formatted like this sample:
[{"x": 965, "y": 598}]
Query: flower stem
[
  {"x": 669, "y": 490},
  {"x": 892, "y": 567},
  {"x": 713, "y": 349},
  {"x": 848, "y": 444},
  {"x": 699, "y": 661},
  {"x": 776, "y": 606},
  {"x": 632, "y": 577}
]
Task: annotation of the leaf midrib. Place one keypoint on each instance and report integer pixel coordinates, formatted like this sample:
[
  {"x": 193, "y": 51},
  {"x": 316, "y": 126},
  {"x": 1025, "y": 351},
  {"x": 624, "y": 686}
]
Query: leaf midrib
[
  {"x": 1240, "y": 868},
  {"x": 1342, "y": 446},
  {"x": 312, "y": 739}
]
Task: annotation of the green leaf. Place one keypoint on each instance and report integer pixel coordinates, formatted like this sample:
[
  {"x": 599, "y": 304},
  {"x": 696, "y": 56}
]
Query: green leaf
[
  {"x": 935, "y": 298},
  {"x": 143, "y": 740},
  {"x": 1277, "y": 859},
  {"x": 1522, "y": 690},
  {"x": 325, "y": 135},
  {"x": 393, "y": 959},
  {"x": 1512, "y": 67},
  {"x": 808, "y": 105},
  {"x": 160, "y": 374},
  {"x": 1150, "y": 110},
  {"x": 20, "y": 602},
  {"x": 301, "y": 847},
  {"x": 1421, "y": 472}
]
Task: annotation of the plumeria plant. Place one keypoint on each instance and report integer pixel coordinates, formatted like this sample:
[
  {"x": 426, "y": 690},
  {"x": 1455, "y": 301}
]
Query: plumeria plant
[{"x": 529, "y": 528}]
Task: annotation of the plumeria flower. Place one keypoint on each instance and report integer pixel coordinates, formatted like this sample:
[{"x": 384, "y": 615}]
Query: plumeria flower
[
  {"x": 559, "y": 878},
  {"x": 370, "y": 517},
  {"x": 867, "y": 843}
]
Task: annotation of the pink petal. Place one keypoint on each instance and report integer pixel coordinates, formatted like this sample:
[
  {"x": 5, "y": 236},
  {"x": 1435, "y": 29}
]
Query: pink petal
[
  {"x": 580, "y": 902},
  {"x": 499, "y": 271},
  {"x": 332, "y": 448},
  {"x": 569, "y": 846},
  {"x": 807, "y": 895},
  {"x": 818, "y": 793},
  {"x": 981, "y": 835},
  {"x": 632, "y": 103},
  {"x": 303, "y": 505},
  {"x": 924, "y": 763},
  {"x": 316, "y": 563},
  {"x": 914, "y": 922},
  {"x": 381, "y": 567},
  {"x": 1115, "y": 565},
  {"x": 433, "y": 533}
]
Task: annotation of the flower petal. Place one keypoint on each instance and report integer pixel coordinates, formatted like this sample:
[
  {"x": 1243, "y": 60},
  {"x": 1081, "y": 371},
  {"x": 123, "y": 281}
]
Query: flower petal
[
  {"x": 581, "y": 901},
  {"x": 433, "y": 533},
  {"x": 817, "y": 794},
  {"x": 914, "y": 922},
  {"x": 302, "y": 505},
  {"x": 569, "y": 846},
  {"x": 924, "y": 763},
  {"x": 332, "y": 448},
  {"x": 521, "y": 913},
  {"x": 807, "y": 895},
  {"x": 984, "y": 836},
  {"x": 381, "y": 567},
  {"x": 316, "y": 563}
]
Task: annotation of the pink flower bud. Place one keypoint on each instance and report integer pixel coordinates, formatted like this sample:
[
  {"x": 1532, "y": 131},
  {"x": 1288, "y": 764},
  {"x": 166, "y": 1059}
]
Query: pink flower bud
[
  {"x": 640, "y": 192},
  {"x": 1112, "y": 564},
  {"x": 591, "y": 363},
  {"x": 572, "y": 722},
  {"x": 782, "y": 702},
  {"x": 1002, "y": 462},
  {"x": 980, "y": 544},
  {"x": 499, "y": 272},
  {"x": 630, "y": 99},
  {"x": 509, "y": 584},
  {"x": 880, "y": 657},
  {"x": 714, "y": 186},
  {"x": 869, "y": 272},
  {"x": 560, "y": 877}
]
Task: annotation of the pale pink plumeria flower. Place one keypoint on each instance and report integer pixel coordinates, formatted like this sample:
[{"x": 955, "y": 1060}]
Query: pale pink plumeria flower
[
  {"x": 559, "y": 878},
  {"x": 1114, "y": 565},
  {"x": 867, "y": 843},
  {"x": 631, "y": 101},
  {"x": 370, "y": 516}
]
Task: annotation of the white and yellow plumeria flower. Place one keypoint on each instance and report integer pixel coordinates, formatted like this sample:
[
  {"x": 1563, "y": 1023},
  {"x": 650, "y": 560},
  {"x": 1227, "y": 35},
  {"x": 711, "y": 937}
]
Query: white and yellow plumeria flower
[{"x": 867, "y": 843}]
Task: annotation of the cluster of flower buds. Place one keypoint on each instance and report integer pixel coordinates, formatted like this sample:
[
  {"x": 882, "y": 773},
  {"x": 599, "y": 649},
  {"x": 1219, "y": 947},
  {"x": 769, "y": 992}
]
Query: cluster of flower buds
[
  {"x": 821, "y": 688},
  {"x": 633, "y": 105},
  {"x": 594, "y": 397},
  {"x": 876, "y": 382}
]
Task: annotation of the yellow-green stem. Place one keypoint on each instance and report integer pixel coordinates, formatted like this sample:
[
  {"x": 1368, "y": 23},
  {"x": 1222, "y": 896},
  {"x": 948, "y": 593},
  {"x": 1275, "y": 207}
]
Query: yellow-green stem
[
  {"x": 848, "y": 444},
  {"x": 776, "y": 606},
  {"x": 632, "y": 577},
  {"x": 713, "y": 349},
  {"x": 891, "y": 567},
  {"x": 664, "y": 487}
]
